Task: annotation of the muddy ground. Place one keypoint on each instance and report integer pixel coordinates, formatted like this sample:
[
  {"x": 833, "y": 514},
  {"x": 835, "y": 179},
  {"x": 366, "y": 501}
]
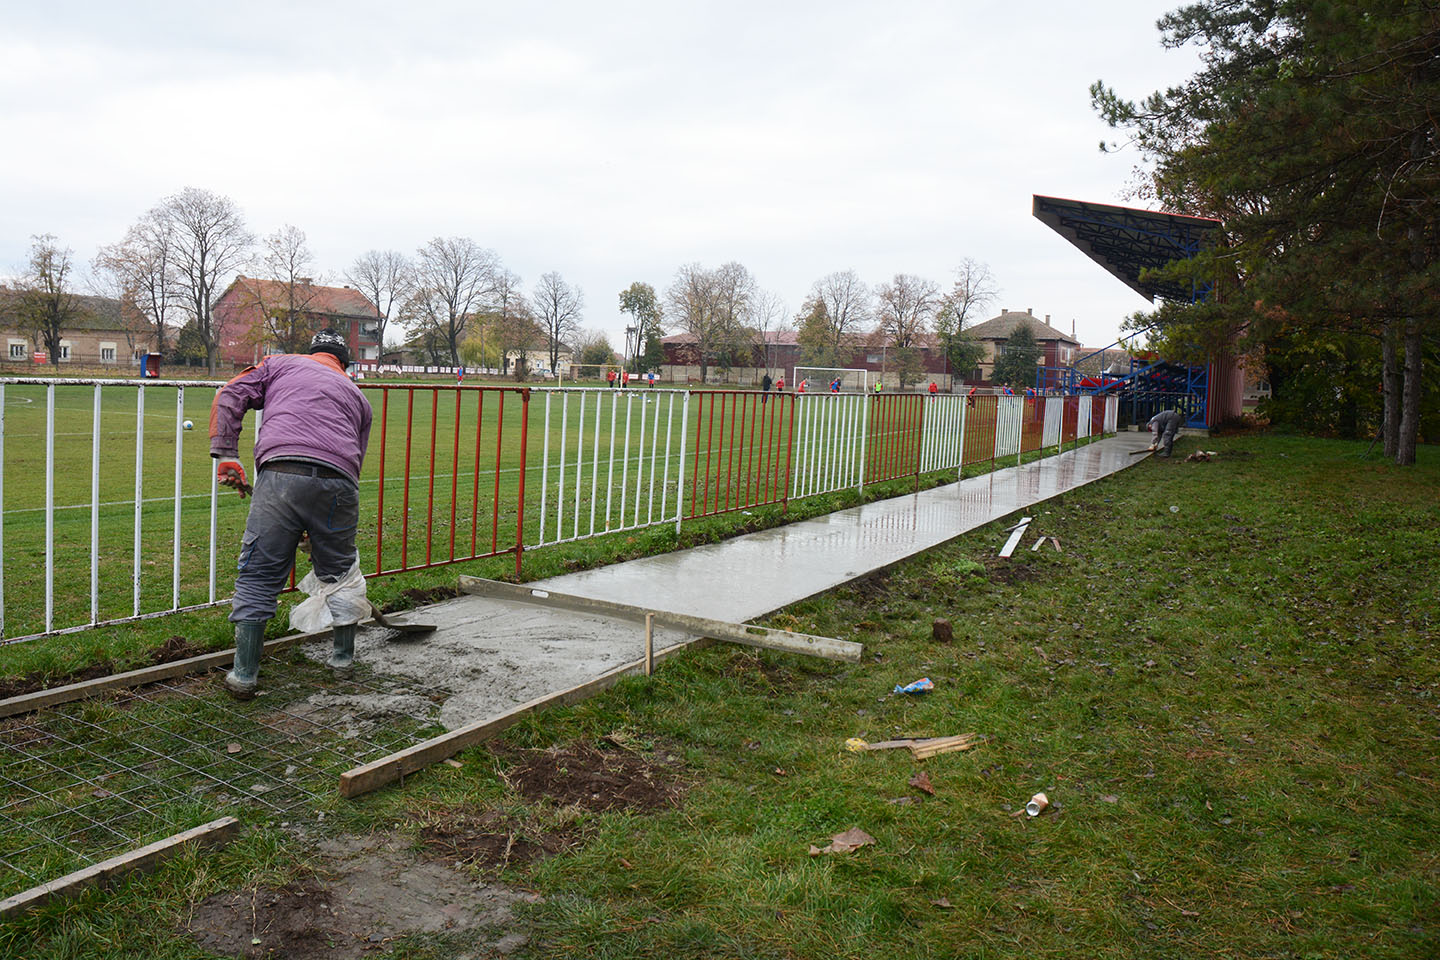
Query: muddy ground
[{"x": 365, "y": 892}]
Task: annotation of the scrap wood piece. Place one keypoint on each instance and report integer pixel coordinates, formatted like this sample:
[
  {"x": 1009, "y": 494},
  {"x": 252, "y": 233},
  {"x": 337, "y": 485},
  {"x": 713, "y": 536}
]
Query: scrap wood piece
[
  {"x": 847, "y": 842},
  {"x": 1040, "y": 542},
  {"x": 1056, "y": 542},
  {"x": 212, "y": 834},
  {"x": 1015, "y": 537},
  {"x": 928, "y": 746},
  {"x": 940, "y": 745}
]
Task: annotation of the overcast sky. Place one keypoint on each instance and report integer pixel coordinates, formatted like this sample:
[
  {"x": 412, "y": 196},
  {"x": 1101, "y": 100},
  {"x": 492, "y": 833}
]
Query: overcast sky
[{"x": 610, "y": 142}]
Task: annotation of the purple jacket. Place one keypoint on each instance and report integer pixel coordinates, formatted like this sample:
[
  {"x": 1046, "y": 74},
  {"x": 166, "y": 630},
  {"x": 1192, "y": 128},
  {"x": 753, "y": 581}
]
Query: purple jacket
[{"x": 311, "y": 412}]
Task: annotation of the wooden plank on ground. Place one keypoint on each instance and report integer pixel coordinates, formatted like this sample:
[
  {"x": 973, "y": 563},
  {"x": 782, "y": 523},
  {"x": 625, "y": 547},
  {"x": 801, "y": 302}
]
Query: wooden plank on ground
[
  {"x": 786, "y": 641},
  {"x": 138, "y": 678},
  {"x": 213, "y": 834},
  {"x": 372, "y": 776},
  {"x": 1014, "y": 540}
]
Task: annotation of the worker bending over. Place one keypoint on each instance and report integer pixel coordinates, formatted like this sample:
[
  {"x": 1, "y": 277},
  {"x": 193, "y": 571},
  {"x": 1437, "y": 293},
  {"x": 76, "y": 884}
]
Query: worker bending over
[
  {"x": 308, "y": 454},
  {"x": 1163, "y": 427}
]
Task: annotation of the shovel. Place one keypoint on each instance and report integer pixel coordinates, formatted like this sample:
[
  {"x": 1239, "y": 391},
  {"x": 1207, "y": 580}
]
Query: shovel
[{"x": 404, "y": 629}]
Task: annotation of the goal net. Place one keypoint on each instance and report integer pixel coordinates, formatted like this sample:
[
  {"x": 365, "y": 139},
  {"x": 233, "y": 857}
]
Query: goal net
[
  {"x": 852, "y": 379},
  {"x": 593, "y": 371}
]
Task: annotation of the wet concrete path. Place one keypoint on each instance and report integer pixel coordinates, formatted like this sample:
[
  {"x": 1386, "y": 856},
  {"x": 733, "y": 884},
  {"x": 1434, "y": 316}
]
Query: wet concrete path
[
  {"x": 488, "y": 656},
  {"x": 752, "y": 575}
]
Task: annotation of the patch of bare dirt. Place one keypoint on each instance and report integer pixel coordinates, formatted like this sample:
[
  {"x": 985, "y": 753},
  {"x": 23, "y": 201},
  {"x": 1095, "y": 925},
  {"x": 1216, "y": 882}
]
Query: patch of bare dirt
[
  {"x": 1008, "y": 570},
  {"x": 489, "y": 839},
  {"x": 36, "y": 680},
  {"x": 873, "y": 586},
  {"x": 176, "y": 648},
  {"x": 596, "y": 779},
  {"x": 366, "y": 893}
]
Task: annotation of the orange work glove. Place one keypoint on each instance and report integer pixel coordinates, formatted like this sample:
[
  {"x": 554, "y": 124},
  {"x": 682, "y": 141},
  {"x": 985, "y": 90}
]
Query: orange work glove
[{"x": 230, "y": 473}]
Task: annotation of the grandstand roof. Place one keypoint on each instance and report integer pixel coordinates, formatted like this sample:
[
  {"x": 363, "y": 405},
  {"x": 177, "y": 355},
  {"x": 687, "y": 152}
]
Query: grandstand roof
[{"x": 1126, "y": 241}]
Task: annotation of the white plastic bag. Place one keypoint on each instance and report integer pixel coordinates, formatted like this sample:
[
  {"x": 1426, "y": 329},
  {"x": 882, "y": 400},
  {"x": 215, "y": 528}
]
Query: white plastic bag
[{"x": 342, "y": 602}]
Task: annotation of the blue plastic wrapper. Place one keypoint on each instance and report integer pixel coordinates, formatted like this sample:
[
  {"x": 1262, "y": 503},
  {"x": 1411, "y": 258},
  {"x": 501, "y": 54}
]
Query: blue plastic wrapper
[{"x": 923, "y": 685}]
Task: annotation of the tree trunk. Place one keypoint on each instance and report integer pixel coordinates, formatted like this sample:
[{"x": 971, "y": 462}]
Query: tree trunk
[
  {"x": 1390, "y": 383},
  {"x": 1410, "y": 410}
]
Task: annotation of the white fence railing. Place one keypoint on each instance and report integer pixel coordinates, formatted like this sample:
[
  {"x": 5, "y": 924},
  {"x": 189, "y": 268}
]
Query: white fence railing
[{"x": 109, "y": 509}]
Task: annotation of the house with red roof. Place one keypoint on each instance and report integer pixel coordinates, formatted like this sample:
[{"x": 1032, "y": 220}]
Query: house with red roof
[{"x": 254, "y": 317}]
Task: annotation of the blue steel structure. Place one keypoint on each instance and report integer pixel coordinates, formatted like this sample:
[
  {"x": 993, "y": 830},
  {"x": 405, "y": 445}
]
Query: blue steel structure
[{"x": 1126, "y": 242}]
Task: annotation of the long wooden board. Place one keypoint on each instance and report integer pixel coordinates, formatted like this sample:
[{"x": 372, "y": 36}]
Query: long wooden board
[
  {"x": 138, "y": 678},
  {"x": 213, "y": 834},
  {"x": 372, "y": 776},
  {"x": 786, "y": 641}
]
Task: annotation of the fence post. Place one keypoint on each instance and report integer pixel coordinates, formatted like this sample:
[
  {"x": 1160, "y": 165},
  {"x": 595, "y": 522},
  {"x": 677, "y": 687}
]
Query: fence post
[
  {"x": 864, "y": 434},
  {"x": 960, "y": 466},
  {"x": 680, "y": 474},
  {"x": 520, "y": 510},
  {"x": 789, "y": 459},
  {"x": 919, "y": 439}
]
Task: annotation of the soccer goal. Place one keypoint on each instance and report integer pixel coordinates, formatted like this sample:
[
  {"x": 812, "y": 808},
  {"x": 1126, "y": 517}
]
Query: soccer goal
[
  {"x": 852, "y": 379},
  {"x": 593, "y": 371}
]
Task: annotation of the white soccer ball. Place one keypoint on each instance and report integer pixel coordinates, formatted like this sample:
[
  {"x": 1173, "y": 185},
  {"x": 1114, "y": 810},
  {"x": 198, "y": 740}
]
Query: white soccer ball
[{"x": 189, "y": 424}]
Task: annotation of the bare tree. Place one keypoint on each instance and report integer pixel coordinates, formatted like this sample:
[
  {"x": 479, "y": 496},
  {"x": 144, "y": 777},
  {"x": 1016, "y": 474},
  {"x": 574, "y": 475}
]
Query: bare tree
[
  {"x": 715, "y": 307},
  {"x": 508, "y": 304},
  {"x": 386, "y": 278},
  {"x": 974, "y": 289},
  {"x": 47, "y": 304},
  {"x": 768, "y": 317},
  {"x": 557, "y": 309},
  {"x": 284, "y": 296},
  {"x": 843, "y": 300},
  {"x": 906, "y": 307},
  {"x": 141, "y": 272},
  {"x": 210, "y": 242},
  {"x": 454, "y": 276}
]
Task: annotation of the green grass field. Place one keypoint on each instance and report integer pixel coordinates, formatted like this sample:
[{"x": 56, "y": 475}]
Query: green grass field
[{"x": 1232, "y": 707}]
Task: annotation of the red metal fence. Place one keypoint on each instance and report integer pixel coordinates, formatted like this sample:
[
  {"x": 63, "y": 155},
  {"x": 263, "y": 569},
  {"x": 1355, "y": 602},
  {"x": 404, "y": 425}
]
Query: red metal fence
[
  {"x": 451, "y": 471},
  {"x": 485, "y": 444},
  {"x": 743, "y": 445}
]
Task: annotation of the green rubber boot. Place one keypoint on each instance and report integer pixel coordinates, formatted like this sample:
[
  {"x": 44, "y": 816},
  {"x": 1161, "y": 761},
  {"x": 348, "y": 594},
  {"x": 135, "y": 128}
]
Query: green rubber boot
[
  {"x": 342, "y": 651},
  {"x": 244, "y": 677}
]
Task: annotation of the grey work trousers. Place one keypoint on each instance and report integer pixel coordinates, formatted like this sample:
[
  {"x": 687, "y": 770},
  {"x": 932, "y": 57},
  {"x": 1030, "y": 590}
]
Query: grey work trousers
[{"x": 283, "y": 507}]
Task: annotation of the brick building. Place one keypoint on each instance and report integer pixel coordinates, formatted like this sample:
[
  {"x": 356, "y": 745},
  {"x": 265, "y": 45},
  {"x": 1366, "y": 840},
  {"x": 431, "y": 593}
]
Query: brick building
[{"x": 244, "y": 337}]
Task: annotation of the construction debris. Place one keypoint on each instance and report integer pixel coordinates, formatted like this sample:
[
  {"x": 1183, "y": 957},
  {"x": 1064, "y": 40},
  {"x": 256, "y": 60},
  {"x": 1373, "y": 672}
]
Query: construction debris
[
  {"x": 1017, "y": 533},
  {"x": 923, "y": 749},
  {"x": 920, "y": 747},
  {"x": 1199, "y": 456}
]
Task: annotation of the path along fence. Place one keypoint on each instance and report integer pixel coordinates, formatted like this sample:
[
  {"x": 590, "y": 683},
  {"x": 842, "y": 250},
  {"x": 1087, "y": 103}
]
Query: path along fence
[{"x": 111, "y": 512}]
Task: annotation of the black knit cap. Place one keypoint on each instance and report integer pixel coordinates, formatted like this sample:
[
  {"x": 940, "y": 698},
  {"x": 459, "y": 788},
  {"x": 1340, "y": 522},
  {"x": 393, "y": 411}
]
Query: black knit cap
[{"x": 331, "y": 342}]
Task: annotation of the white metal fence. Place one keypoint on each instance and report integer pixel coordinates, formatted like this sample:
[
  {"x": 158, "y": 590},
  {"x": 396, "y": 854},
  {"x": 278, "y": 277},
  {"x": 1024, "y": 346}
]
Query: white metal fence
[{"x": 110, "y": 512}]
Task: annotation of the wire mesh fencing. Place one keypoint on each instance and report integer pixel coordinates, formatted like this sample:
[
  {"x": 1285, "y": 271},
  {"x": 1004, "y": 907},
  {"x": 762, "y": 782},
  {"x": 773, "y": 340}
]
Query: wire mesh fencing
[{"x": 89, "y": 779}]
